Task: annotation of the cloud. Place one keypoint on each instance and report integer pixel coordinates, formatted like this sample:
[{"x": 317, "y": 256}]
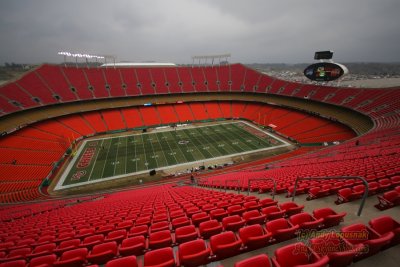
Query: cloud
[{"x": 174, "y": 30}]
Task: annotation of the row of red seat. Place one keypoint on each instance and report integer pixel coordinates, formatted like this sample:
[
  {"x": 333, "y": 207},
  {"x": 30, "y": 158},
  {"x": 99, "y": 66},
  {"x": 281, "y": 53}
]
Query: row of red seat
[
  {"x": 335, "y": 249},
  {"x": 54, "y": 84}
]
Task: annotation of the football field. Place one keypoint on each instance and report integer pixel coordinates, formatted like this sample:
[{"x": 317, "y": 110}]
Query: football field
[{"x": 114, "y": 157}]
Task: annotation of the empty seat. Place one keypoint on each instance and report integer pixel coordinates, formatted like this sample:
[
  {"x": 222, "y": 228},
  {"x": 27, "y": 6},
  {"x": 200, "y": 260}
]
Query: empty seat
[
  {"x": 209, "y": 228},
  {"x": 42, "y": 250},
  {"x": 281, "y": 229},
  {"x": 163, "y": 257},
  {"x": 185, "y": 234},
  {"x": 139, "y": 230},
  {"x": 346, "y": 195},
  {"x": 90, "y": 241},
  {"x": 267, "y": 202},
  {"x": 305, "y": 221},
  {"x": 388, "y": 200},
  {"x": 291, "y": 208},
  {"x": 329, "y": 216},
  {"x": 17, "y": 254},
  {"x": 179, "y": 222},
  {"x": 254, "y": 217},
  {"x": 67, "y": 245},
  {"x": 124, "y": 225},
  {"x": 368, "y": 241},
  {"x": 160, "y": 239},
  {"x": 125, "y": 261},
  {"x": 102, "y": 253},
  {"x": 235, "y": 210},
  {"x": 318, "y": 192},
  {"x": 251, "y": 205},
  {"x": 72, "y": 258},
  {"x": 200, "y": 217},
  {"x": 233, "y": 223},
  {"x": 116, "y": 235},
  {"x": 254, "y": 237},
  {"x": 385, "y": 225},
  {"x": 255, "y": 261},
  {"x": 298, "y": 254},
  {"x": 193, "y": 253},
  {"x": 218, "y": 214},
  {"x": 225, "y": 245},
  {"x": 133, "y": 246},
  {"x": 46, "y": 260},
  {"x": 272, "y": 213},
  {"x": 339, "y": 250},
  {"x": 14, "y": 263},
  {"x": 159, "y": 226}
]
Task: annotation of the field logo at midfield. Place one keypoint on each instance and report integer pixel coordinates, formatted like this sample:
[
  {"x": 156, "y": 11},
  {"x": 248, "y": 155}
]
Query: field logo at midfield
[
  {"x": 183, "y": 142},
  {"x": 78, "y": 175},
  {"x": 86, "y": 158}
]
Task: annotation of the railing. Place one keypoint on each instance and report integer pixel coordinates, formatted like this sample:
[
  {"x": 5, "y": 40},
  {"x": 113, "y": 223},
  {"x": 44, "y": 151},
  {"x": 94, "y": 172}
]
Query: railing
[
  {"x": 336, "y": 178},
  {"x": 262, "y": 179}
]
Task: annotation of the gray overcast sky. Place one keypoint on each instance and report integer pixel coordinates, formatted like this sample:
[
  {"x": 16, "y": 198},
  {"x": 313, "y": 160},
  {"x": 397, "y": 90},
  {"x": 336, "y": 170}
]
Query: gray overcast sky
[{"x": 266, "y": 31}]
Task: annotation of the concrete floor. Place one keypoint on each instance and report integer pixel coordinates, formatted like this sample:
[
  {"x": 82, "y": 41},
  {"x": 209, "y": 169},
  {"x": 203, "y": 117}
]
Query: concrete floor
[{"x": 387, "y": 258}]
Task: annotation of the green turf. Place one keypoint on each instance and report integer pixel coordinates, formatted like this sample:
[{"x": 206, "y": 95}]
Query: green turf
[{"x": 123, "y": 155}]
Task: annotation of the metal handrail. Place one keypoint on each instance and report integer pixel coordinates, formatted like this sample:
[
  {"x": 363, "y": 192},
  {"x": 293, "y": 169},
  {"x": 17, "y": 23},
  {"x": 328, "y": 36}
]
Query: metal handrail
[
  {"x": 366, "y": 191},
  {"x": 238, "y": 182},
  {"x": 262, "y": 179}
]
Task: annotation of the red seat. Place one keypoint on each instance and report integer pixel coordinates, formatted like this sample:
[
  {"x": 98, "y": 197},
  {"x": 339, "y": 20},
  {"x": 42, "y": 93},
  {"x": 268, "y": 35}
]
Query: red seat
[
  {"x": 124, "y": 225},
  {"x": 281, "y": 229},
  {"x": 72, "y": 258},
  {"x": 267, "y": 202},
  {"x": 272, "y": 213},
  {"x": 133, "y": 246},
  {"x": 64, "y": 236},
  {"x": 179, "y": 222},
  {"x": 255, "y": 261},
  {"x": 117, "y": 236},
  {"x": 385, "y": 225},
  {"x": 145, "y": 220},
  {"x": 373, "y": 188},
  {"x": 105, "y": 229},
  {"x": 388, "y": 200},
  {"x": 233, "y": 223},
  {"x": 369, "y": 242},
  {"x": 200, "y": 217},
  {"x": 291, "y": 208},
  {"x": 17, "y": 254},
  {"x": 384, "y": 184},
  {"x": 193, "y": 253},
  {"x": 305, "y": 221},
  {"x": 318, "y": 192},
  {"x": 395, "y": 180},
  {"x": 14, "y": 263},
  {"x": 139, "y": 230},
  {"x": 159, "y": 226},
  {"x": 209, "y": 228},
  {"x": 46, "y": 260},
  {"x": 218, "y": 214},
  {"x": 185, "y": 234},
  {"x": 329, "y": 216},
  {"x": 102, "y": 253},
  {"x": 235, "y": 210},
  {"x": 225, "y": 245},
  {"x": 67, "y": 245},
  {"x": 121, "y": 262},
  {"x": 254, "y": 217},
  {"x": 254, "y": 237},
  {"x": 163, "y": 257},
  {"x": 251, "y": 205},
  {"x": 82, "y": 233},
  {"x": 298, "y": 254},
  {"x": 339, "y": 250},
  {"x": 160, "y": 239},
  {"x": 42, "y": 250},
  {"x": 346, "y": 195},
  {"x": 90, "y": 241}
]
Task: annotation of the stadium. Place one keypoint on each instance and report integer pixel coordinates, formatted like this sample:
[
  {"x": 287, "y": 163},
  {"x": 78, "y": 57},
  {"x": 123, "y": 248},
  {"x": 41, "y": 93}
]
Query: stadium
[
  {"x": 67, "y": 120},
  {"x": 217, "y": 163}
]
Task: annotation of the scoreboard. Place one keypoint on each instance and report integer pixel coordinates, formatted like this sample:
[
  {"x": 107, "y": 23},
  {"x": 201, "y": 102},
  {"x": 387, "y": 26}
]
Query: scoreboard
[{"x": 325, "y": 71}]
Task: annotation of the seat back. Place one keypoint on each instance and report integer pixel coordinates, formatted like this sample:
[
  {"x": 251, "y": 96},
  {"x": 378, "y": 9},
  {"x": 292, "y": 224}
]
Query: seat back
[
  {"x": 104, "y": 247},
  {"x": 125, "y": 261},
  {"x": 184, "y": 230},
  {"x": 259, "y": 260},
  {"x": 300, "y": 218},
  {"x": 383, "y": 224},
  {"x": 275, "y": 225},
  {"x": 322, "y": 213},
  {"x": 192, "y": 247},
  {"x": 74, "y": 253},
  {"x": 47, "y": 260},
  {"x": 159, "y": 257},
  {"x": 293, "y": 254},
  {"x": 250, "y": 231}
]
